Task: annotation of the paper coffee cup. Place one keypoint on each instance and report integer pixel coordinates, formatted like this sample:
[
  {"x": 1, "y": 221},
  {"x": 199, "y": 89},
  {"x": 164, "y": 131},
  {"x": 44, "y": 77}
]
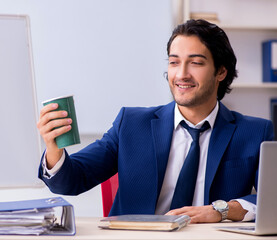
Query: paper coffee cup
[{"x": 72, "y": 137}]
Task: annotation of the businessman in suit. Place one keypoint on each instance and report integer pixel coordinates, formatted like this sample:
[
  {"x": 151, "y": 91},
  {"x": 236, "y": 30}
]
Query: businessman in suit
[{"x": 151, "y": 148}]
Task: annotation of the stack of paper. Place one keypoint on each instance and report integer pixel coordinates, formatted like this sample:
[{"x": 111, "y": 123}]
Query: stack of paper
[
  {"x": 33, "y": 221},
  {"x": 51, "y": 216},
  {"x": 208, "y": 16}
]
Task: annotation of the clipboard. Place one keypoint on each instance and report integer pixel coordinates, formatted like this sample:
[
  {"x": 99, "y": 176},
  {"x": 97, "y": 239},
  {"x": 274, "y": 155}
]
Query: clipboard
[{"x": 66, "y": 226}]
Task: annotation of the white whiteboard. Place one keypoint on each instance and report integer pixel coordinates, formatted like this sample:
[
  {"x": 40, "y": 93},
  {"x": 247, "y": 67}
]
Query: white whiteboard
[{"x": 19, "y": 140}]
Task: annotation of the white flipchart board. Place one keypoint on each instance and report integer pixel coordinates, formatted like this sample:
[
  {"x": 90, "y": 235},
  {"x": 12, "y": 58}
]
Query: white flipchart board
[{"x": 20, "y": 147}]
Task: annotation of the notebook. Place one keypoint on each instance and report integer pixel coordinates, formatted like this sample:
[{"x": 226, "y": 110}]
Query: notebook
[
  {"x": 145, "y": 222},
  {"x": 266, "y": 216}
]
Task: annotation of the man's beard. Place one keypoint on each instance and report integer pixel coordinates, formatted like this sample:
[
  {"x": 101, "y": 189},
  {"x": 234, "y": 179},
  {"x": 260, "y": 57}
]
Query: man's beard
[{"x": 198, "y": 99}]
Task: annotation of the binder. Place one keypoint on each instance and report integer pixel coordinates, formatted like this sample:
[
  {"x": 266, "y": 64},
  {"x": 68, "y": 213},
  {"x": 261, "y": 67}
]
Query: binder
[
  {"x": 67, "y": 221},
  {"x": 269, "y": 58},
  {"x": 273, "y": 115}
]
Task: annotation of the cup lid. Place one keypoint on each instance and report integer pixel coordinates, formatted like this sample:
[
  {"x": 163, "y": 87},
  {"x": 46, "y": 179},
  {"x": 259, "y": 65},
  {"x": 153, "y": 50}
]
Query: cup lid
[{"x": 56, "y": 98}]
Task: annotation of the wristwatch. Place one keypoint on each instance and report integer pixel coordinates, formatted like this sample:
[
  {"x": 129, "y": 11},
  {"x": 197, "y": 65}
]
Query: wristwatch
[{"x": 222, "y": 207}]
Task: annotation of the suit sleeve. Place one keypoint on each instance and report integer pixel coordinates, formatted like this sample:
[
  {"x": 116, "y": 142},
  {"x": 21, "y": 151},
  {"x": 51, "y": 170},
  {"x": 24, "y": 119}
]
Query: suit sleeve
[
  {"x": 90, "y": 166},
  {"x": 268, "y": 136}
]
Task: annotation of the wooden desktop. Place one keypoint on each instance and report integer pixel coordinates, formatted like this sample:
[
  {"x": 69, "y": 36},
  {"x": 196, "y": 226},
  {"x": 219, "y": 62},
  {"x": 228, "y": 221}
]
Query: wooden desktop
[{"x": 87, "y": 228}]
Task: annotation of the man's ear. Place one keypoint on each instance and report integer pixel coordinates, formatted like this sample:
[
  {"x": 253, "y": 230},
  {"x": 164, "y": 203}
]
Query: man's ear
[{"x": 221, "y": 73}]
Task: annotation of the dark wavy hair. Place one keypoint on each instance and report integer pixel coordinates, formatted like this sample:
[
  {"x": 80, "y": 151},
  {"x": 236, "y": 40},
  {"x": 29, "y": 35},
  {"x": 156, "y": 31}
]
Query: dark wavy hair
[{"x": 216, "y": 40}]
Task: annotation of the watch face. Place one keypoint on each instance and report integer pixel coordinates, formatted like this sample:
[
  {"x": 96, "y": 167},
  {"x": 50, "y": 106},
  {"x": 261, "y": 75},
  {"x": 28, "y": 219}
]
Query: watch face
[
  {"x": 222, "y": 207},
  {"x": 220, "y": 204}
]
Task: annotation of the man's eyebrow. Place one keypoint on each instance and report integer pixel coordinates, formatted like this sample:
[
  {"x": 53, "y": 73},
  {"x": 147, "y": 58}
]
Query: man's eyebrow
[
  {"x": 173, "y": 55},
  {"x": 197, "y": 55},
  {"x": 190, "y": 56}
]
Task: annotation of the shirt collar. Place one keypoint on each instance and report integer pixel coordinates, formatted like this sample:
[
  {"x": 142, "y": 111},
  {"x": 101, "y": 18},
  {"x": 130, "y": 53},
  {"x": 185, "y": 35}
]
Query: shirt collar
[{"x": 178, "y": 117}]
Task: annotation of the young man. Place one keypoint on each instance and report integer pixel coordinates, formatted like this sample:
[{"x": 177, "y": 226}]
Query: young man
[{"x": 151, "y": 148}]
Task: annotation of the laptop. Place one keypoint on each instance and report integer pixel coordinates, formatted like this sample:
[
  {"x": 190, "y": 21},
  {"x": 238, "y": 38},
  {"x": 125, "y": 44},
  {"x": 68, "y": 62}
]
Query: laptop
[{"x": 266, "y": 216}]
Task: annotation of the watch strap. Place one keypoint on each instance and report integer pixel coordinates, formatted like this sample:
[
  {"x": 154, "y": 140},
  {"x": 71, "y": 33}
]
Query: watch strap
[{"x": 222, "y": 211}]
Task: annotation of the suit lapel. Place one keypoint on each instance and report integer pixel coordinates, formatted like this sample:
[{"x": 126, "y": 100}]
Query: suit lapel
[
  {"x": 220, "y": 138},
  {"x": 162, "y": 130}
]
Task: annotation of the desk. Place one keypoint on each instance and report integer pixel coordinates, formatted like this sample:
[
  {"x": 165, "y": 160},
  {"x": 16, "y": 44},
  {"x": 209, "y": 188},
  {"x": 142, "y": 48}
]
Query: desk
[{"x": 87, "y": 229}]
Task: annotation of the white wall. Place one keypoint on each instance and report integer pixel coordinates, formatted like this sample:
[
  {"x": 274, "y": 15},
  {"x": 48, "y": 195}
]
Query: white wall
[
  {"x": 108, "y": 53},
  {"x": 86, "y": 204}
]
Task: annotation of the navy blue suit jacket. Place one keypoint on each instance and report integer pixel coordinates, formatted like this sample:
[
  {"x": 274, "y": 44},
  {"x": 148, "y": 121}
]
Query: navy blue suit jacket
[{"x": 138, "y": 145}]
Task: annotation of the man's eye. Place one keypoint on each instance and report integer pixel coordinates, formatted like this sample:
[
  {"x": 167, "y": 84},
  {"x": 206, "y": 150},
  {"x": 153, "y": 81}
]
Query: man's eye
[
  {"x": 197, "y": 63},
  {"x": 172, "y": 63}
]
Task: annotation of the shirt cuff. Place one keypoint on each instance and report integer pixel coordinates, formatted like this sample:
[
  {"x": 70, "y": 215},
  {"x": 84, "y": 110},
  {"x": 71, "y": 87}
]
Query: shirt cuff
[
  {"x": 250, "y": 207},
  {"x": 49, "y": 173}
]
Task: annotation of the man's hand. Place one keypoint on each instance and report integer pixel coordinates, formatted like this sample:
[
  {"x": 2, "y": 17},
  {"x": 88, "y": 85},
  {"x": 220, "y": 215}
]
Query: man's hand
[
  {"x": 207, "y": 214},
  {"x": 50, "y": 125},
  {"x": 199, "y": 214}
]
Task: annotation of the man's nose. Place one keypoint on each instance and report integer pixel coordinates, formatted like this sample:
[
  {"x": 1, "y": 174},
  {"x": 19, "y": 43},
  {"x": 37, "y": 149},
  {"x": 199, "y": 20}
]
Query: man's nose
[{"x": 183, "y": 72}]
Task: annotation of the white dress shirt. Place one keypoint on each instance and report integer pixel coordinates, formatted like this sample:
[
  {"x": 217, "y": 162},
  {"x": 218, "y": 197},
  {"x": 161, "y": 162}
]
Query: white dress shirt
[
  {"x": 180, "y": 145},
  {"x": 181, "y": 141}
]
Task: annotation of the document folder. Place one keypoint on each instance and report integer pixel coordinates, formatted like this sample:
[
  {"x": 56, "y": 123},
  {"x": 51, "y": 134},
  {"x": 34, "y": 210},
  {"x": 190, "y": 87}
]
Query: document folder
[
  {"x": 66, "y": 223},
  {"x": 269, "y": 49},
  {"x": 273, "y": 115}
]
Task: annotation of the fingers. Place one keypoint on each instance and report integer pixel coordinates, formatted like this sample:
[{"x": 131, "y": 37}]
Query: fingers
[
  {"x": 198, "y": 214},
  {"x": 185, "y": 211},
  {"x": 51, "y": 135},
  {"x": 48, "y": 108},
  {"x": 47, "y": 114},
  {"x": 179, "y": 211},
  {"x": 52, "y": 124}
]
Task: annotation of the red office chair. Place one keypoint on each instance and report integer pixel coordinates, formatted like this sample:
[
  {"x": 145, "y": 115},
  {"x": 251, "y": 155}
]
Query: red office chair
[{"x": 109, "y": 190}]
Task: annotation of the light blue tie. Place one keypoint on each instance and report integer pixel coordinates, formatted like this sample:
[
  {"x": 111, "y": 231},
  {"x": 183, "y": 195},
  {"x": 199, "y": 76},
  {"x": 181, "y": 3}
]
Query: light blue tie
[{"x": 184, "y": 190}]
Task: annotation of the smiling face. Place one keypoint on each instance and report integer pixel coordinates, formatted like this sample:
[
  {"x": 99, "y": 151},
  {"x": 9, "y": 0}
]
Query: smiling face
[{"x": 191, "y": 74}]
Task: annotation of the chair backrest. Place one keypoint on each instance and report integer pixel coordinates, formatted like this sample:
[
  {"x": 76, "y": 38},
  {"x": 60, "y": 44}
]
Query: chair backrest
[{"x": 109, "y": 190}]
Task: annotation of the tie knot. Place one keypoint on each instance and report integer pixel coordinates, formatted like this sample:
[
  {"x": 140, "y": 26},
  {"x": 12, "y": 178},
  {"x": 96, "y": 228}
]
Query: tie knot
[{"x": 195, "y": 132}]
